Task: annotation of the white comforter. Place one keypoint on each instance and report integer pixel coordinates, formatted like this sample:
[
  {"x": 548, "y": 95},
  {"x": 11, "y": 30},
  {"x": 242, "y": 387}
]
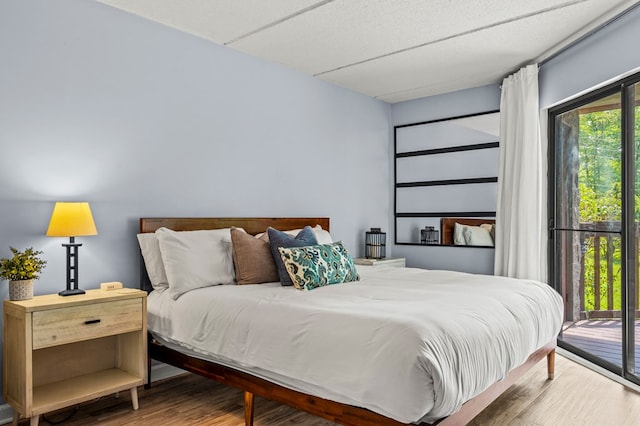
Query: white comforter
[{"x": 410, "y": 344}]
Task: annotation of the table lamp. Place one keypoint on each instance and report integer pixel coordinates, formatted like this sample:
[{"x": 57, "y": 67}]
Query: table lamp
[
  {"x": 71, "y": 220},
  {"x": 375, "y": 244}
]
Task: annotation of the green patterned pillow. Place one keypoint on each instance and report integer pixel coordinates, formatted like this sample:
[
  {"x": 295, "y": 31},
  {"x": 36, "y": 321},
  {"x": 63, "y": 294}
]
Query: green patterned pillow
[{"x": 315, "y": 266}]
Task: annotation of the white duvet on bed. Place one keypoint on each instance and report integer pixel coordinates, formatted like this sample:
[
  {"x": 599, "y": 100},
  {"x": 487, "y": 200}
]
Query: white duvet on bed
[{"x": 410, "y": 344}]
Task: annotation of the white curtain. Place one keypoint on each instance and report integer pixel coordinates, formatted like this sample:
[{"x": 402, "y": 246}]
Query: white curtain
[{"x": 521, "y": 233}]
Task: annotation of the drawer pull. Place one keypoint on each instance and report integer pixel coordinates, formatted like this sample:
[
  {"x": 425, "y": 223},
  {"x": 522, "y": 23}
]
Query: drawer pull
[{"x": 93, "y": 321}]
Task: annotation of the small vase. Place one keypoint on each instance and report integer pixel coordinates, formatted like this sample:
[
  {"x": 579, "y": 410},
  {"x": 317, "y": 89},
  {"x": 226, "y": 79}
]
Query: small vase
[{"x": 21, "y": 290}]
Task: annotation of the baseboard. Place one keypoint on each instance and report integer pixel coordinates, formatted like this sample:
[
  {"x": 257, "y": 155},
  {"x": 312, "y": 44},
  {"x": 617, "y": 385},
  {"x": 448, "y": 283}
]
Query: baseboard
[
  {"x": 159, "y": 371},
  {"x": 6, "y": 414},
  {"x": 591, "y": 366},
  {"x": 162, "y": 371}
]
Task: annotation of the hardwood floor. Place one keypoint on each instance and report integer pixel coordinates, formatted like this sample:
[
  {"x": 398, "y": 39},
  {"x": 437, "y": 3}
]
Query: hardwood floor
[{"x": 577, "y": 396}]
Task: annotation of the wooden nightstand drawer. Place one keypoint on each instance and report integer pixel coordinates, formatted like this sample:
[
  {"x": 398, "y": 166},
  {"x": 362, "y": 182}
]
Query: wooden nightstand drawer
[{"x": 72, "y": 324}]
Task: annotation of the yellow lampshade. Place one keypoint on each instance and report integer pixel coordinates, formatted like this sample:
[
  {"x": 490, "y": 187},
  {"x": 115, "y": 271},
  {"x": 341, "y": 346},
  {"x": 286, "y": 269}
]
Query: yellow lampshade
[{"x": 71, "y": 220}]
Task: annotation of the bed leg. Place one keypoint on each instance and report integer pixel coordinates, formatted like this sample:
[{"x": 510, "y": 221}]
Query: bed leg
[
  {"x": 551, "y": 364},
  {"x": 248, "y": 408}
]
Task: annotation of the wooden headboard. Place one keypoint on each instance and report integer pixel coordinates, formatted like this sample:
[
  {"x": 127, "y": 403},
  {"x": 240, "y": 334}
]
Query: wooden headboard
[
  {"x": 253, "y": 225},
  {"x": 447, "y": 224}
]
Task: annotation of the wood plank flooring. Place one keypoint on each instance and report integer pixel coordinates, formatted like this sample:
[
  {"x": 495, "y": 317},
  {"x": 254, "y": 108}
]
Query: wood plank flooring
[{"x": 577, "y": 396}]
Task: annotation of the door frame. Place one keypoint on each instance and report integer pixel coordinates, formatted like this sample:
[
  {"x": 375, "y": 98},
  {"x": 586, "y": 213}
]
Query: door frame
[{"x": 628, "y": 247}]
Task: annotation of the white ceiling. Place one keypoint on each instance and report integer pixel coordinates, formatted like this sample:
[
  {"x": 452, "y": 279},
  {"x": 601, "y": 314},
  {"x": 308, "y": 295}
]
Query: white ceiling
[{"x": 393, "y": 50}]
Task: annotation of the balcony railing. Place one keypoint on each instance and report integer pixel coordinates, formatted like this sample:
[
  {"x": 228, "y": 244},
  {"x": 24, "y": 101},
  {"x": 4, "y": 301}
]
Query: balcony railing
[{"x": 600, "y": 271}]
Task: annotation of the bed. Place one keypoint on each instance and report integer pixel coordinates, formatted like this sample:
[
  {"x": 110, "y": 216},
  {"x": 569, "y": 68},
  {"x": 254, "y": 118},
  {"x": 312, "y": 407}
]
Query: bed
[{"x": 363, "y": 409}]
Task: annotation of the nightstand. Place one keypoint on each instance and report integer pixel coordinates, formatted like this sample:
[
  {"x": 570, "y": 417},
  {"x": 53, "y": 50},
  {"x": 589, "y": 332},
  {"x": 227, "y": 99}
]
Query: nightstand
[
  {"x": 399, "y": 262},
  {"x": 61, "y": 351}
]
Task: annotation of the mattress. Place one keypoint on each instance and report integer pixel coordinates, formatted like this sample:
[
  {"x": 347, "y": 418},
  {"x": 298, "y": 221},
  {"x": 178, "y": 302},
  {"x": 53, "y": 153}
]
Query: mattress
[{"x": 410, "y": 344}]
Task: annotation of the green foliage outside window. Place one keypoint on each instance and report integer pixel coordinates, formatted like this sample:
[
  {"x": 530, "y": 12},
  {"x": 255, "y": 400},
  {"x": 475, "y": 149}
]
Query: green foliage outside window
[{"x": 600, "y": 192}]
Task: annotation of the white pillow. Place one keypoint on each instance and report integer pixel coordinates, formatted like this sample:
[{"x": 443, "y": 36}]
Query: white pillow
[
  {"x": 458, "y": 237},
  {"x": 195, "y": 259},
  {"x": 491, "y": 227},
  {"x": 323, "y": 237},
  {"x": 487, "y": 226},
  {"x": 150, "y": 249},
  {"x": 477, "y": 236}
]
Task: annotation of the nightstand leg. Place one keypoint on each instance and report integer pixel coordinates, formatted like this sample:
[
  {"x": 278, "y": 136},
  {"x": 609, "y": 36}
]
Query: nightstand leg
[
  {"x": 34, "y": 420},
  {"x": 16, "y": 417},
  {"x": 134, "y": 398}
]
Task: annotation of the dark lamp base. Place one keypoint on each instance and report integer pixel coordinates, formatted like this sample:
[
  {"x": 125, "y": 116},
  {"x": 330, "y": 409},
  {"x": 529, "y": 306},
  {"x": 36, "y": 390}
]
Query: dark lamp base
[{"x": 71, "y": 292}]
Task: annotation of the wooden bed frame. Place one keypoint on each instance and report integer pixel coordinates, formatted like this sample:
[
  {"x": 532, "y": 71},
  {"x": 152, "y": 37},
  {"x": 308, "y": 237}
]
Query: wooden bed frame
[
  {"x": 251, "y": 385},
  {"x": 447, "y": 225}
]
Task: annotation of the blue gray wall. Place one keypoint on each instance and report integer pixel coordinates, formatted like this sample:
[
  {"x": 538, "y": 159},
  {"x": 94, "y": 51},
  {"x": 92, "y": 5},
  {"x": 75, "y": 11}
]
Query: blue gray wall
[
  {"x": 142, "y": 120},
  {"x": 607, "y": 55}
]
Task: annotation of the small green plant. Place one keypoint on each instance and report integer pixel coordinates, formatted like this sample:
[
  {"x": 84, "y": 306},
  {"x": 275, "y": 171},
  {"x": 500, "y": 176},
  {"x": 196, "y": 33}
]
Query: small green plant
[{"x": 24, "y": 265}]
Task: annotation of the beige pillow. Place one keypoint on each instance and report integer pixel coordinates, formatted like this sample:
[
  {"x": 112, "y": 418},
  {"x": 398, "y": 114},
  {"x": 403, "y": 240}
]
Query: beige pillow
[{"x": 252, "y": 259}]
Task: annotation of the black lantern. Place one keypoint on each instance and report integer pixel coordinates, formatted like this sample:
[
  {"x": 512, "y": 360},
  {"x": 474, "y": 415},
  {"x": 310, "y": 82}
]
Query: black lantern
[
  {"x": 375, "y": 244},
  {"x": 429, "y": 235}
]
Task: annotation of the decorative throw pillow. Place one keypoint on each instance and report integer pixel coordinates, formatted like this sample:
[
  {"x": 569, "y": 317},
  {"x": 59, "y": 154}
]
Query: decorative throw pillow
[
  {"x": 477, "y": 236},
  {"x": 278, "y": 239},
  {"x": 195, "y": 259},
  {"x": 150, "y": 249},
  {"x": 316, "y": 266},
  {"x": 252, "y": 259}
]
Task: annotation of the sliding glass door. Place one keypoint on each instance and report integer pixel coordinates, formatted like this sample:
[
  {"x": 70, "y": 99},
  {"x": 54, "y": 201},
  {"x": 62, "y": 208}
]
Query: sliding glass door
[
  {"x": 594, "y": 221},
  {"x": 631, "y": 337}
]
